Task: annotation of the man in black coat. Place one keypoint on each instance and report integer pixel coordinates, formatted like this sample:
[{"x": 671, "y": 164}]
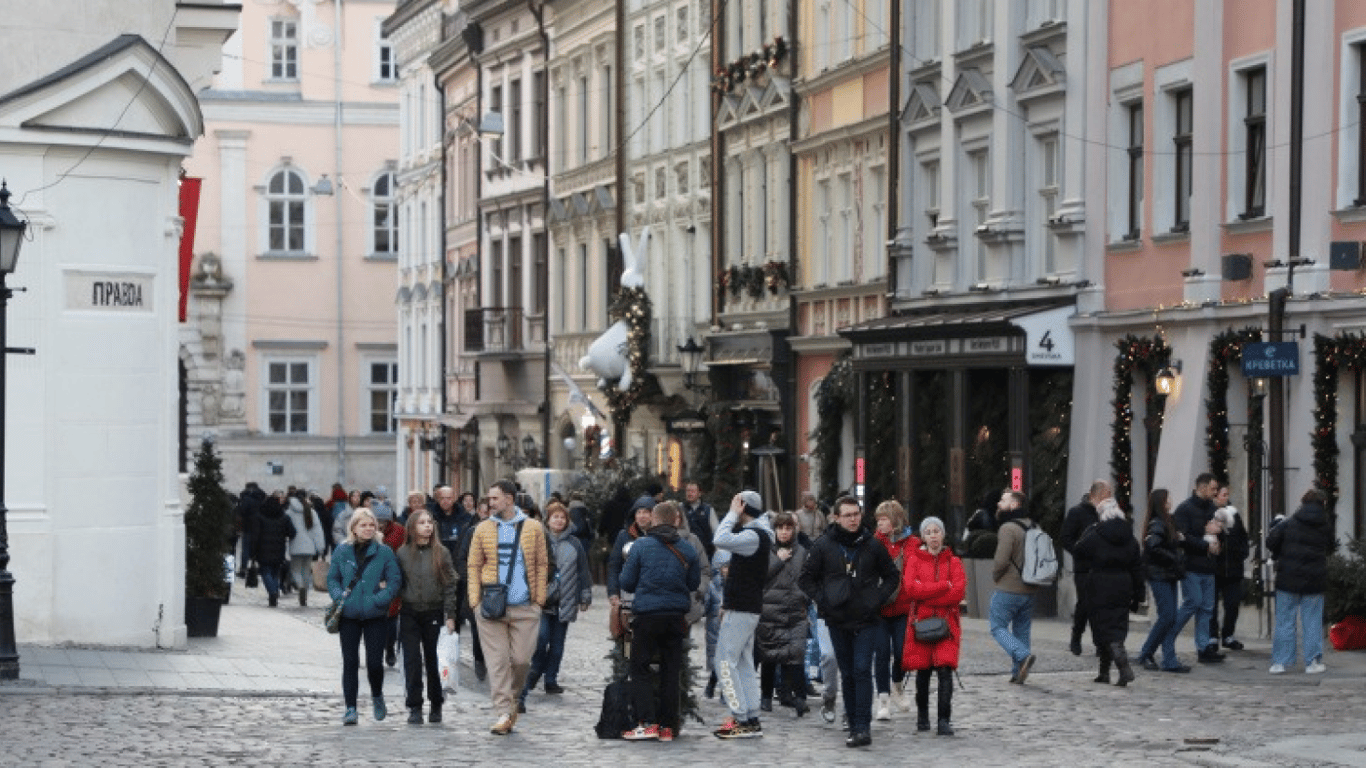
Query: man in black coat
[
  {"x": 1078, "y": 519},
  {"x": 850, "y": 575},
  {"x": 1194, "y": 520},
  {"x": 1301, "y": 544}
]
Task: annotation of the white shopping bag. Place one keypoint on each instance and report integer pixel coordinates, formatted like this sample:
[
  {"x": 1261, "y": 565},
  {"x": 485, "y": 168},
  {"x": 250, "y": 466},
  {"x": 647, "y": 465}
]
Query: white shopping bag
[{"x": 448, "y": 656}]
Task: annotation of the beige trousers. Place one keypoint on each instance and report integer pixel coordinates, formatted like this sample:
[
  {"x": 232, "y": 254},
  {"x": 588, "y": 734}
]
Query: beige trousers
[{"x": 508, "y": 644}]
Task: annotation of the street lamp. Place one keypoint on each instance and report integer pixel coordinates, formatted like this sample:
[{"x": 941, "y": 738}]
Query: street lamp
[
  {"x": 690, "y": 354},
  {"x": 504, "y": 445},
  {"x": 11, "y": 237},
  {"x": 1167, "y": 378},
  {"x": 529, "y": 449}
]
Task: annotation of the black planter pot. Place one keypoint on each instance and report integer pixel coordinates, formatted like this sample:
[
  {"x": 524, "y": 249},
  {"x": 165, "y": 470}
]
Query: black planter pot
[{"x": 201, "y": 616}]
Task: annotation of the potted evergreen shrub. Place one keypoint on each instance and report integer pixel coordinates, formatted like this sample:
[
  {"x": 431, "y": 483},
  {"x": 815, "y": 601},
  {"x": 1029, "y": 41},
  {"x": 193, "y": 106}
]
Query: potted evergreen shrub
[{"x": 206, "y": 522}]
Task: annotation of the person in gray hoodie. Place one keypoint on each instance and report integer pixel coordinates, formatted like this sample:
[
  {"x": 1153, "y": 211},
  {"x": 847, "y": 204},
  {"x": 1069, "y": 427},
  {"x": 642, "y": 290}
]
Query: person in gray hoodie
[{"x": 744, "y": 533}]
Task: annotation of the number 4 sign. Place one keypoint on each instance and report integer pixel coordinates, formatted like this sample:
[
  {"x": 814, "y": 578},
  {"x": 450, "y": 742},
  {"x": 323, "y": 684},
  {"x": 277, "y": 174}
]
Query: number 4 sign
[{"x": 1048, "y": 337}]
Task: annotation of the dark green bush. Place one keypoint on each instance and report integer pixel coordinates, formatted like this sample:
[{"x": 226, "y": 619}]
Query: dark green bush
[{"x": 1346, "y": 592}]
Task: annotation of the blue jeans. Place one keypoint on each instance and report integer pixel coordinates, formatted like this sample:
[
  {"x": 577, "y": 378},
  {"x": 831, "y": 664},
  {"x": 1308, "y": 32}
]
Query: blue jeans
[
  {"x": 1309, "y": 609},
  {"x": 1164, "y": 600},
  {"x": 1197, "y": 599},
  {"x": 887, "y": 656},
  {"x": 854, "y": 653},
  {"x": 270, "y": 578},
  {"x": 549, "y": 652},
  {"x": 352, "y": 630},
  {"x": 1012, "y": 616}
]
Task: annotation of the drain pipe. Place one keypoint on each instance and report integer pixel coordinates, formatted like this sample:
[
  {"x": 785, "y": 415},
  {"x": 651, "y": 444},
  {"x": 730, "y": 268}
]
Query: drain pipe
[{"x": 337, "y": 200}]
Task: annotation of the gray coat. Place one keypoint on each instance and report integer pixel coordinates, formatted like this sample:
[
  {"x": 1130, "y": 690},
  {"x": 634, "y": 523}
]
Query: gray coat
[
  {"x": 782, "y": 633},
  {"x": 574, "y": 582}
]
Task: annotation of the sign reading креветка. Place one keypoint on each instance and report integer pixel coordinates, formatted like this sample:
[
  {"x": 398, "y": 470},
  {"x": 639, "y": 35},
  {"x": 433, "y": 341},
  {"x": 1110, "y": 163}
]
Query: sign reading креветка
[
  {"x": 1271, "y": 358},
  {"x": 109, "y": 292}
]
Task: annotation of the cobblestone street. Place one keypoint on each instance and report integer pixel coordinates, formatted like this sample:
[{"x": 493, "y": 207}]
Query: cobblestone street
[{"x": 1226, "y": 715}]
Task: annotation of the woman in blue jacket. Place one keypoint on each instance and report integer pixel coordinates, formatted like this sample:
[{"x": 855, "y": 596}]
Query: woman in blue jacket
[{"x": 365, "y": 609}]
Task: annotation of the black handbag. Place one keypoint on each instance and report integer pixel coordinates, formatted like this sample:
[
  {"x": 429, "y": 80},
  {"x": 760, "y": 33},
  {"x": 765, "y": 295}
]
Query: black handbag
[
  {"x": 332, "y": 615},
  {"x": 253, "y": 576},
  {"x": 934, "y": 629},
  {"x": 493, "y": 598}
]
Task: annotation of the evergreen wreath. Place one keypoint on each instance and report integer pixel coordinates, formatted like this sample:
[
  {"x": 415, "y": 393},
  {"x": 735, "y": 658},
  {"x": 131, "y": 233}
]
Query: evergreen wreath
[
  {"x": 1145, "y": 356},
  {"x": 833, "y": 398},
  {"x": 1224, "y": 350},
  {"x": 632, "y": 305},
  {"x": 1346, "y": 351}
]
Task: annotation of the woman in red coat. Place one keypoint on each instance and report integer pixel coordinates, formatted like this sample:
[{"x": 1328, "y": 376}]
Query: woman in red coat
[{"x": 933, "y": 580}]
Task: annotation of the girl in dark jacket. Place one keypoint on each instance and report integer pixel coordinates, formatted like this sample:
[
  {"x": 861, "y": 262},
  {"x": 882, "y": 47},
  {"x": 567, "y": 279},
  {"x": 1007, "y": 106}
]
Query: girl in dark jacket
[
  {"x": 1116, "y": 586},
  {"x": 781, "y": 637},
  {"x": 934, "y": 582},
  {"x": 429, "y": 605},
  {"x": 1301, "y": 544},
  {"x": 1162, "y": 559}
]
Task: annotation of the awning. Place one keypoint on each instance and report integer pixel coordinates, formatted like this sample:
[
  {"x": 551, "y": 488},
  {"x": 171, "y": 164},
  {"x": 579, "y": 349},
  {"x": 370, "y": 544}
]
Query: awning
[
  {"x": 455, "y": 420},
  {"x": 1038, "y": 333}
]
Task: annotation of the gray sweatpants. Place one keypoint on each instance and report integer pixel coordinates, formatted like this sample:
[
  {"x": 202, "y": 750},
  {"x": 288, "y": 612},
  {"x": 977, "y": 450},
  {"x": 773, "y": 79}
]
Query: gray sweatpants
[{"x": 735, "y": 664}]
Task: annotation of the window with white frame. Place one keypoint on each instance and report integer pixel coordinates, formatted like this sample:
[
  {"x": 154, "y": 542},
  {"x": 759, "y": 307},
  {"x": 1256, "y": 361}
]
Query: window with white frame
[
  {"x": 875, "y": 23},
  {"x": 681, "y": 177},
  {"x": 875, "y": 233},
  {"x": 820, "y": 266},
  {"x": 584, "y": 118},
  {"x": 583, "y": 287},
  {"x": 289, "y": 395},
  {"x": 844, "y": 245},
  {"x": 605, "y": 115},
  {"x": 1047, "y": 174},
  {"x": 661, "y": 184},
  {"x": 638, "y": 37},
  {"x": 974, "y": 22},
  {"x": 978, "y": 191},
  {"x": 681, "y": 23},
  {"x": 539, "y": 112},
  {"x": 384, "y": 224},
  {"x": 1253, "y": 81},
  {"x": 1358, "y": 110},
  {"x": 386, "y": 61},
  {"x": 843, "y": 44},
  {"x": 496, "y": 105},
  {"x": 1133, "y": 191},
  {"x": 1183, "y": 126},
  {"x": 381, "y": 386},
  {"x": 286, "y": 203},
  {"x": 926, "y": 28},
  {"x": 928, "y": 192},
  {"x": 561, "y": 129},
  {"x": 1040, "y": 12},
  {"x": 824, "y": 21},
  {"x": 284, "y": 49},
  {"x": 514, "y": 122},
  {"x": 703, "y": 16}
]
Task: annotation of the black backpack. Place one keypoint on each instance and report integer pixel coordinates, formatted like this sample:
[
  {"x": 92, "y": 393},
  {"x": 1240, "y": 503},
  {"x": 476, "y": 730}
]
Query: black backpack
[{"x": 616, "y": 711}]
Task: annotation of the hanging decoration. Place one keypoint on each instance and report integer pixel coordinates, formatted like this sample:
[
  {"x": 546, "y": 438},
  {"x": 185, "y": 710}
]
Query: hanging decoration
[
  {"x": 1225, "y": 350},
  {"x": 775, "y": 276},
  {"x": 633, "y": 306},
  {"x": 1145, "y": 356},
  {"x": 1332, "y": 355},
  {"x": 749, "y": 66}
]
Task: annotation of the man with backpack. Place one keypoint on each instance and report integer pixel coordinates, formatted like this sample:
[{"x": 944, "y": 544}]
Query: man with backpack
[{"x": 1012, "y": 604}]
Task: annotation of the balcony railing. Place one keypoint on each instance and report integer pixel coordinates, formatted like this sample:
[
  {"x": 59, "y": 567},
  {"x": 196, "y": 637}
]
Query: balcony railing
[{"x": 493, "y": 329}]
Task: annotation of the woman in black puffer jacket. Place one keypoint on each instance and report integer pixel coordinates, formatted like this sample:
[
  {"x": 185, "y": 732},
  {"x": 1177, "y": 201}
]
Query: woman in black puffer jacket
[
  {"x": 783, "y": 628},
  {"x": 1116, "y": 585},
  {"x": 1163, "y": 559},
  {"x": 271, "y": 532},
  {"x": 1301, "y": 544}
]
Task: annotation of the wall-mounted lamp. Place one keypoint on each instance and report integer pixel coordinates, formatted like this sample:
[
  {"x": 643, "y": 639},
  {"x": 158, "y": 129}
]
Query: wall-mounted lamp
[
  {"x": 1168, "y": 377},
  {"x": 504, "y": 445},
  {"x": 690, "y": 355},
  {"x": 323, "y": 186},
  {"x": 1259, "y": 387}
]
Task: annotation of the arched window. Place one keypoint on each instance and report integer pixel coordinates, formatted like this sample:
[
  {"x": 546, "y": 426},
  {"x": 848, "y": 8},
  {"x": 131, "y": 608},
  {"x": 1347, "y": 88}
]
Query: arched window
[
  {"x": 385, "y": 222},
  {"x": 285, "y": 200}
]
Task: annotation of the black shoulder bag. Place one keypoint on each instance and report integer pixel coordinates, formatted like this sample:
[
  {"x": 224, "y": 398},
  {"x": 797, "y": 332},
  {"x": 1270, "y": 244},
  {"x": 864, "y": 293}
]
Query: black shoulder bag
[
  {"x": 934, "y": 629},
  {"x": 493, "y": 598}
]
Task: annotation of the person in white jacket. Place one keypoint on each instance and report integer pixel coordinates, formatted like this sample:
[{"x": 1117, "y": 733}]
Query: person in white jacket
[{"x": 307, "y": 544}]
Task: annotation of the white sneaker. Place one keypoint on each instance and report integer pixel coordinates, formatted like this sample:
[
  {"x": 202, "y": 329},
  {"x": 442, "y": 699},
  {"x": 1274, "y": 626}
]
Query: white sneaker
[
  {"x": 899, "y": 697},
  {"x": 1277, "y": 669},
  {"x": 884, "y": 711},
  {"x": 1315, "y": 668}
]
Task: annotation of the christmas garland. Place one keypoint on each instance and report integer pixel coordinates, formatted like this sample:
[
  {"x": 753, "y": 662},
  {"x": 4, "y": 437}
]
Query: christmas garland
[
  {"x": 725, "y": 441},
  {"x": 632, "y": 305},
  {"x": 1136, "y": 355},
  {"x": 833, "y": 397},
  {"x": 1346, "y": 351},
  {"x": 882, "y": 448},
  {"x": 1224, "y": 350}
]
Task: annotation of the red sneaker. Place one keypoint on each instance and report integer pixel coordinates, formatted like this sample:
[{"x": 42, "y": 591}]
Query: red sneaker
[
  {"x": 666, "y": 734},
  {"x": 642, "y": 733}
]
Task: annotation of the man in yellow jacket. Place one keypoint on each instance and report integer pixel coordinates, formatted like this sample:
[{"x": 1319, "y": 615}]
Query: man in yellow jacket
[{"x": 508, "y": 548}]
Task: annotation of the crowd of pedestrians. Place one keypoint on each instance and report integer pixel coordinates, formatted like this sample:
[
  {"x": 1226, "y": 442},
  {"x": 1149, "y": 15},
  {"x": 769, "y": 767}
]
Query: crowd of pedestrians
[{"x": 858, "y": 602}]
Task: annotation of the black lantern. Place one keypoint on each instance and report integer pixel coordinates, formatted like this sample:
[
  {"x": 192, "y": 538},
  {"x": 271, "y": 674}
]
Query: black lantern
[
  {"x": 690, "y": 355},
  {"x": 504, "y": 444},
  {"x": 11, "y": 238}
]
